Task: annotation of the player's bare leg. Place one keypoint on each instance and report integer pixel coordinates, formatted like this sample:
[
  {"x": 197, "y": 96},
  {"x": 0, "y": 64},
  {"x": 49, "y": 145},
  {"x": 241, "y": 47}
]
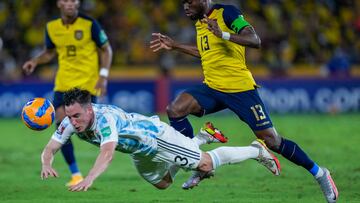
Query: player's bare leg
[
  {"x": 165, "y": 182},
  {"x": 179, "y": 109}
]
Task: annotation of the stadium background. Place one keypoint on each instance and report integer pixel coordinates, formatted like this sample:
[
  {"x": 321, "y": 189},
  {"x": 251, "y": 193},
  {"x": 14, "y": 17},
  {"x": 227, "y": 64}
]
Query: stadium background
[
  {"x": 308, "y": 68},
  {"x": 309, "y": 55}
]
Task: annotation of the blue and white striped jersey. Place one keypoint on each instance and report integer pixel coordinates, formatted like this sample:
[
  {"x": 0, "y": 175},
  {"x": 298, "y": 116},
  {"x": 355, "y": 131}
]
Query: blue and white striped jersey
[{"x": 134, "y": 133}]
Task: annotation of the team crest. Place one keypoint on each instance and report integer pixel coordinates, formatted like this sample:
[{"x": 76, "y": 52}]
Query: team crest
[{"x": 79, "y": 34}]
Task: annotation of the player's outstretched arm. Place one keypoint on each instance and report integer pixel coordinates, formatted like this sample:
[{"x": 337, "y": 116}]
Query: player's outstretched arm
[
  {"x": 165, "y": 42},
  {"x": 45, "y": 56},
  {"x": 102, "y": 162},
  {"x": 47, "y": 158},
  {"x": 246, "y": 37}
]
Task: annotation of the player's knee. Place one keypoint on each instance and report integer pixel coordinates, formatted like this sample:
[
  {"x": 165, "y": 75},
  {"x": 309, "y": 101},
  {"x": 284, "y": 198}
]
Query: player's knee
[
  {"x": 175, "y": 111},
  {"x": 162, "y": 185},
  {"x": 273, "y": 141},
  {"x": 205, "y": 163},
  {"x": 270, "y": 137}
]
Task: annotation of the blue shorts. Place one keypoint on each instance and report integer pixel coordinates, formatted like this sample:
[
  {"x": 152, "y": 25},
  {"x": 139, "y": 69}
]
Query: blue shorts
[
  {"x": 59, "y": 99},
  {"x": 247, "y": 105}
]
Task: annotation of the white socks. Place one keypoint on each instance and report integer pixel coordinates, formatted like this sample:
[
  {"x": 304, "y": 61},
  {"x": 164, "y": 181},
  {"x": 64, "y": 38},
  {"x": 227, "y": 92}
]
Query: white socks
[
  {"x": 231, "y": 155},
  {"x": 199, "y": 141}
]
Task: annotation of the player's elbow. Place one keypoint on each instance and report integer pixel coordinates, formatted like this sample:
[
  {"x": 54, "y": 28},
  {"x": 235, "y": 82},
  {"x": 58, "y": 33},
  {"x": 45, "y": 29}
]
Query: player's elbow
[
  {"x": 257, "y": 42},
  {"x": 109, "y": 157}
]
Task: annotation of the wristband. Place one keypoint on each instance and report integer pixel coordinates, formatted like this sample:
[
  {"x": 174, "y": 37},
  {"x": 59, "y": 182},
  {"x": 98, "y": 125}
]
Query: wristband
[
  {"x": 225, "y": 35},
  {"x": 104, "y": 72}
]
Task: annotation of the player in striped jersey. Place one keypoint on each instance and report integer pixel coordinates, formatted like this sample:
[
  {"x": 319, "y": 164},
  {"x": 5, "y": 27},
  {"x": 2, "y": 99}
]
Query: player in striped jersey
[{"x": 157, "y": 149}]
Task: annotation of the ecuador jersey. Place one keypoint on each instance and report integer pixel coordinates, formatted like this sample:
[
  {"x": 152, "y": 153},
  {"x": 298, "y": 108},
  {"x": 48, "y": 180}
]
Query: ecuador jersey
[
  {"x": 223, "y": 62},
  {"x": 76, "y": 45},
  {"x": 135, "y": 134}
]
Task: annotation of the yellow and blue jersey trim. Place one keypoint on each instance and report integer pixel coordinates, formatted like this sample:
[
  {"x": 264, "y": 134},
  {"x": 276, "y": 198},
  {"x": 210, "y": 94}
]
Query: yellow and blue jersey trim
[
  {"x": 97, "y": 33},
  {"x": 232, "y": 16}
]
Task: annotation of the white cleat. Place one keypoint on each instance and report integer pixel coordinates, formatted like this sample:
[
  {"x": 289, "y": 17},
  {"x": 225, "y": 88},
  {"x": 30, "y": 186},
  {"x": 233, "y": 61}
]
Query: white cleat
[
  {"x": 211, "y": 134},
  {"x": 266, "y": 158},
  {"x": 328, "y": 186}
]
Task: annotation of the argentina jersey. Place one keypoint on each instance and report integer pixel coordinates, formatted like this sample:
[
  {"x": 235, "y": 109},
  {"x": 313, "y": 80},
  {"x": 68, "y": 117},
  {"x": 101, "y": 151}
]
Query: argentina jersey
[{"x": 135, "y": 134}]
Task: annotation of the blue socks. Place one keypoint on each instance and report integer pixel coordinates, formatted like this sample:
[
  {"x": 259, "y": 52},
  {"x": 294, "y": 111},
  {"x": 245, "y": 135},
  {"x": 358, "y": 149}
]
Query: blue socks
[
  {"x": 68, "y": 152},
  {"x": 314, "y": 170},
  {"x": 295, "y": 154},
  {"x": 182, "y": 125}
]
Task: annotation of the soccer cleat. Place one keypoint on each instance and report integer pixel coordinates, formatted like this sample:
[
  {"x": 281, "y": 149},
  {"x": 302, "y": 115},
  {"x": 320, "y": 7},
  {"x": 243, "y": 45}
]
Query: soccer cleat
[
  {"x": 328, "y": 186},
  {"x": 75, "y": 179},
  {"x": 211, "y": 134},
  {"x": 195, "y": 179},
  {"x": 266, "y": 158}
]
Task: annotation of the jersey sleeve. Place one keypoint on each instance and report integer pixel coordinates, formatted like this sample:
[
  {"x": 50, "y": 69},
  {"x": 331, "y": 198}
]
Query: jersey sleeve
[
  {"x": 98, "y": 34},
  {"x": 48, "y": 42},
  {"x": 64, "y": 131},
  {"x": 107, "y": 129},
  {"x": 234, "y": 19}
]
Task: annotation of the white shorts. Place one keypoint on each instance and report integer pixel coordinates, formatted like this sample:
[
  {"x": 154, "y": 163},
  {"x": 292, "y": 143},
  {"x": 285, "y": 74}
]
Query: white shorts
[{"x": 174, "y": 151}]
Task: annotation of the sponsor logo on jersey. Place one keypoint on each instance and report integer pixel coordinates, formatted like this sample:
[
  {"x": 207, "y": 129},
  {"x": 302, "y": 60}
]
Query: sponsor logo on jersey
[
  {"x": 106, "y": 132},
  {"x": 79, "y": 34}
]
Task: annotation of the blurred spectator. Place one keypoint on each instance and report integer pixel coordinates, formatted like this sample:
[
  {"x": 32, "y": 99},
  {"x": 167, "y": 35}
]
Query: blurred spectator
[
  {"x": 338, "y": 65},
  {"x": 7, "y": 65}
]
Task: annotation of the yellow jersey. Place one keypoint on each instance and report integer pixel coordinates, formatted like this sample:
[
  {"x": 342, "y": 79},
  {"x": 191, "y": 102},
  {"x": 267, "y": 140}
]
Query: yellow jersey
[
  {"x": 223, "y": 62},
  {"x": 76, "y": 45}
]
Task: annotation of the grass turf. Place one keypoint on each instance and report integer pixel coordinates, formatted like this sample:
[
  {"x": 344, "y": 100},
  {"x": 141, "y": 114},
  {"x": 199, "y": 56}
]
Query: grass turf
[{"x": 330, "y": 140}]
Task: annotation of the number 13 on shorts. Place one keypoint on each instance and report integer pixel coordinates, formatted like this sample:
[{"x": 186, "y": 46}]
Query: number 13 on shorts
[{"x": 258, "y": 112}]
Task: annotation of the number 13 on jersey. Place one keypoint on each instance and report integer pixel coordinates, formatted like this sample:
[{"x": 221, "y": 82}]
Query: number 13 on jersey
[{"x": 204, "y": 43}]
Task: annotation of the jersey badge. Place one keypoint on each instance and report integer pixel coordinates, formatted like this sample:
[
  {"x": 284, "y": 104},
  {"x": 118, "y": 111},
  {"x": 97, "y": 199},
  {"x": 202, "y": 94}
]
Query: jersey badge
[{"x": 79, "y": 34}]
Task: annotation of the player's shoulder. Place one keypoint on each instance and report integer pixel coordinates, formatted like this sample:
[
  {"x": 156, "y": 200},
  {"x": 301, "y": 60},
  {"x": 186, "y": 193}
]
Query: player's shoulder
[
  {"x": 65, "y": 125},
  {"x": 105, "y": 111},
  {"x": 55, "y": 21},
  {"x": 87, "y": 18},
  {"x": 226, "y": 7}
]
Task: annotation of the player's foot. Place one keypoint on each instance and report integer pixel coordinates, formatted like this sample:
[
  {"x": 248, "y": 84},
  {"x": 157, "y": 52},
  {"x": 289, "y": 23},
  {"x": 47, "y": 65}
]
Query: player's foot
[
  {"x": 211, "y": 134},
  {"x": 75, "y": 179},
  {"x": 328, "y": 186},
  {"x": 195, "y": 179},
  {"x": 266, "y": 158}
]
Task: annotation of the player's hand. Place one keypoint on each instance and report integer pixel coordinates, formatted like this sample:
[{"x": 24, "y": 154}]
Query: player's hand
[
  {"x": 48, "y": 171},
  {"x": 213, "y": 26},
  {"x": 161, "y": 42},
  {"x": 29, "y": 67},
  {"x": 82, "y": 186},
  {"x": 101, "y": 85}
]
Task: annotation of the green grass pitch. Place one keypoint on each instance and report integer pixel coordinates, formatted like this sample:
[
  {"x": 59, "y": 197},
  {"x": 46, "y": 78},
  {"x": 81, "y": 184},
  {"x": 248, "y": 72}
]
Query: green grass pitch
[{"x": 331, "y": 140}]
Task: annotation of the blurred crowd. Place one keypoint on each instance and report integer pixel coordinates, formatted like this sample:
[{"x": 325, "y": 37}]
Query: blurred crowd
[{"x": 292, "y": 31}]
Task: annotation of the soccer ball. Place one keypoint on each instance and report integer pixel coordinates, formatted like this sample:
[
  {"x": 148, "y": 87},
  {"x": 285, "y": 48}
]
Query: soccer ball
[{"x": 38, "y": 114}]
